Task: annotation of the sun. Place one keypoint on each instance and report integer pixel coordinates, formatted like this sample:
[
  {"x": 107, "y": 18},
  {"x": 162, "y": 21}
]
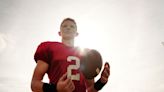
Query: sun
[{"x": 88, "y": 38}]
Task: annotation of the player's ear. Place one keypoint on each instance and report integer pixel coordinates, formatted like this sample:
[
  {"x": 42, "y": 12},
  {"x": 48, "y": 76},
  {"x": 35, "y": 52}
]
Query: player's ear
[
  {"x": 77, "y": 34},
  {"x": 59, "y": 33}
]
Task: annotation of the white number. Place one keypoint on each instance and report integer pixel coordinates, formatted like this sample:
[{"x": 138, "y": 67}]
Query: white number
[{"x": 73, "y": 67}]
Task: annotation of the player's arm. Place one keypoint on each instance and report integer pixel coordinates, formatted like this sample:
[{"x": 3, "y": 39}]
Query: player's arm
[
  {"x": 64, "y": 84},
  {"x": 40, "y": 70},
  {"x": 90, "y": 85},
  {"x": 96, "y": 86}
]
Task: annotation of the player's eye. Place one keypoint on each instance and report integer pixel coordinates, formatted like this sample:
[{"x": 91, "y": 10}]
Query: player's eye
[
  {"x": 72, "y": 26},
  {"x": 64, "y": 26}
]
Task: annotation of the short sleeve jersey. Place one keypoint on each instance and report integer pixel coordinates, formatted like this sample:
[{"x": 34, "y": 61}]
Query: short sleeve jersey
[{"x": 61, "y": 59}]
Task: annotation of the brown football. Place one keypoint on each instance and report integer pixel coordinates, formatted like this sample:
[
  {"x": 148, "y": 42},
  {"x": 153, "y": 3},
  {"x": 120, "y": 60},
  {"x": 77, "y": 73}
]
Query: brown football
[{"x": 91, "y": 63}]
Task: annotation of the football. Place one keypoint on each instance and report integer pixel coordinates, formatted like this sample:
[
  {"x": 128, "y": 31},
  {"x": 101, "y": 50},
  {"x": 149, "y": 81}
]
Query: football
[{"x": 91, "y": 63}]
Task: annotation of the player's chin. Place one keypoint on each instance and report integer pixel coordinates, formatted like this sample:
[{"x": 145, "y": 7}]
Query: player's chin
[{"x": 71, "y": 36}]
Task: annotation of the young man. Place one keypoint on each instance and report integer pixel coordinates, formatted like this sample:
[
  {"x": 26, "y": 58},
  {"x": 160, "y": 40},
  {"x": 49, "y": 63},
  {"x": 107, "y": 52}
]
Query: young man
[{"x": 61, "y": 61}]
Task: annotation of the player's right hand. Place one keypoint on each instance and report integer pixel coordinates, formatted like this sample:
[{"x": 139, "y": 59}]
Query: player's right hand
[{"x": 65, "y": 84}]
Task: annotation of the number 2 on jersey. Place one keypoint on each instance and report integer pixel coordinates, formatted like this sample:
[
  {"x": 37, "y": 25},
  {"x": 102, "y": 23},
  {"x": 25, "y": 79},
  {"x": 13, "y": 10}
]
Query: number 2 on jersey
[{"x": 73, "y": 67}]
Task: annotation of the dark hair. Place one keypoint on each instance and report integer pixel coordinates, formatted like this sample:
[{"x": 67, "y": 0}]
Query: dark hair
[{"x": 70, "y": 19}]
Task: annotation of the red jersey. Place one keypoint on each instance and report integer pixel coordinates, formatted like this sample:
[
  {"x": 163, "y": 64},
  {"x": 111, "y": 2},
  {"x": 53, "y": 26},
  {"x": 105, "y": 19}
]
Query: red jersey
[{"x": 61, "y": 59}]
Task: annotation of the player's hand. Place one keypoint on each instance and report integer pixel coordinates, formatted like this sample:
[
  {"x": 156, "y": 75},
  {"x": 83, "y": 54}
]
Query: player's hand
[
  {"x": 65, "y": 84},
  {"x": 105, "y": 73}
]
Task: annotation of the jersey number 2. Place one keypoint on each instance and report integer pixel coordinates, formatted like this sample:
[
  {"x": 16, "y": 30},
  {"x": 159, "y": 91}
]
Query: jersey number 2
[{"x": 73, "y": 67}]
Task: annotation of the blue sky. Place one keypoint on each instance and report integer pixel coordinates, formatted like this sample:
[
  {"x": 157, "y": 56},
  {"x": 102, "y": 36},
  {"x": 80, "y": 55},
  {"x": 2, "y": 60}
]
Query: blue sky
[{"x": 128, "y": 33}]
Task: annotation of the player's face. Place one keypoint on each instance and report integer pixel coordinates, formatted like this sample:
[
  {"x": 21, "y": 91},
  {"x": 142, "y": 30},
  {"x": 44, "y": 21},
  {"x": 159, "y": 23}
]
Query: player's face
[{"x": 68, "y": 30}]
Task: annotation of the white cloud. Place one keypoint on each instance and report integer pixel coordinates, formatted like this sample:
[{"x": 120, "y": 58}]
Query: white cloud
[
  {"x": 162, "y": 43},
  {"x": 127, "y": 32},
  {"x": 3, "y": 42}
]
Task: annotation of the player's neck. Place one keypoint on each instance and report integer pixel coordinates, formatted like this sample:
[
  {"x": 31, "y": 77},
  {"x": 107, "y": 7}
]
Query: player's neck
[{"x": 69, "y": 42}]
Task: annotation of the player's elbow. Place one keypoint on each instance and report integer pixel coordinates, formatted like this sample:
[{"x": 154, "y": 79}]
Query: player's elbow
[{"x": 34, "y": 86}]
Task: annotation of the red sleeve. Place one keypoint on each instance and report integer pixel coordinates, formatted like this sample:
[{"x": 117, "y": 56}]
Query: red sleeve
[{"x": 42, "y": 53}]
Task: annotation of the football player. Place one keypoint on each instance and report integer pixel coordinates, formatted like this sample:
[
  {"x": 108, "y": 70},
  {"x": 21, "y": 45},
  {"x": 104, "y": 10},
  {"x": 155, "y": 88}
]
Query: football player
[{"x": 61, "y": 61}]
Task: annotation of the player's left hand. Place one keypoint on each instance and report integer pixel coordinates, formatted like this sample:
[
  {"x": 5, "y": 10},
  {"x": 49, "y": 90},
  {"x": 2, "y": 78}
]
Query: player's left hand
[{"x": 105, "y": 73}]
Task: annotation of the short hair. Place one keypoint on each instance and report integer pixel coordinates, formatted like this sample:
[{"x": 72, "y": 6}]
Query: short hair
[{"x": 70, "y": 19}]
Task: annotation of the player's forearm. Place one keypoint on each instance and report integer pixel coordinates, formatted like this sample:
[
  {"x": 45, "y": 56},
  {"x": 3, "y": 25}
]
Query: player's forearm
[
  {"x": 36, "y": 86},
  {"x": 91, "y": 89}
]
